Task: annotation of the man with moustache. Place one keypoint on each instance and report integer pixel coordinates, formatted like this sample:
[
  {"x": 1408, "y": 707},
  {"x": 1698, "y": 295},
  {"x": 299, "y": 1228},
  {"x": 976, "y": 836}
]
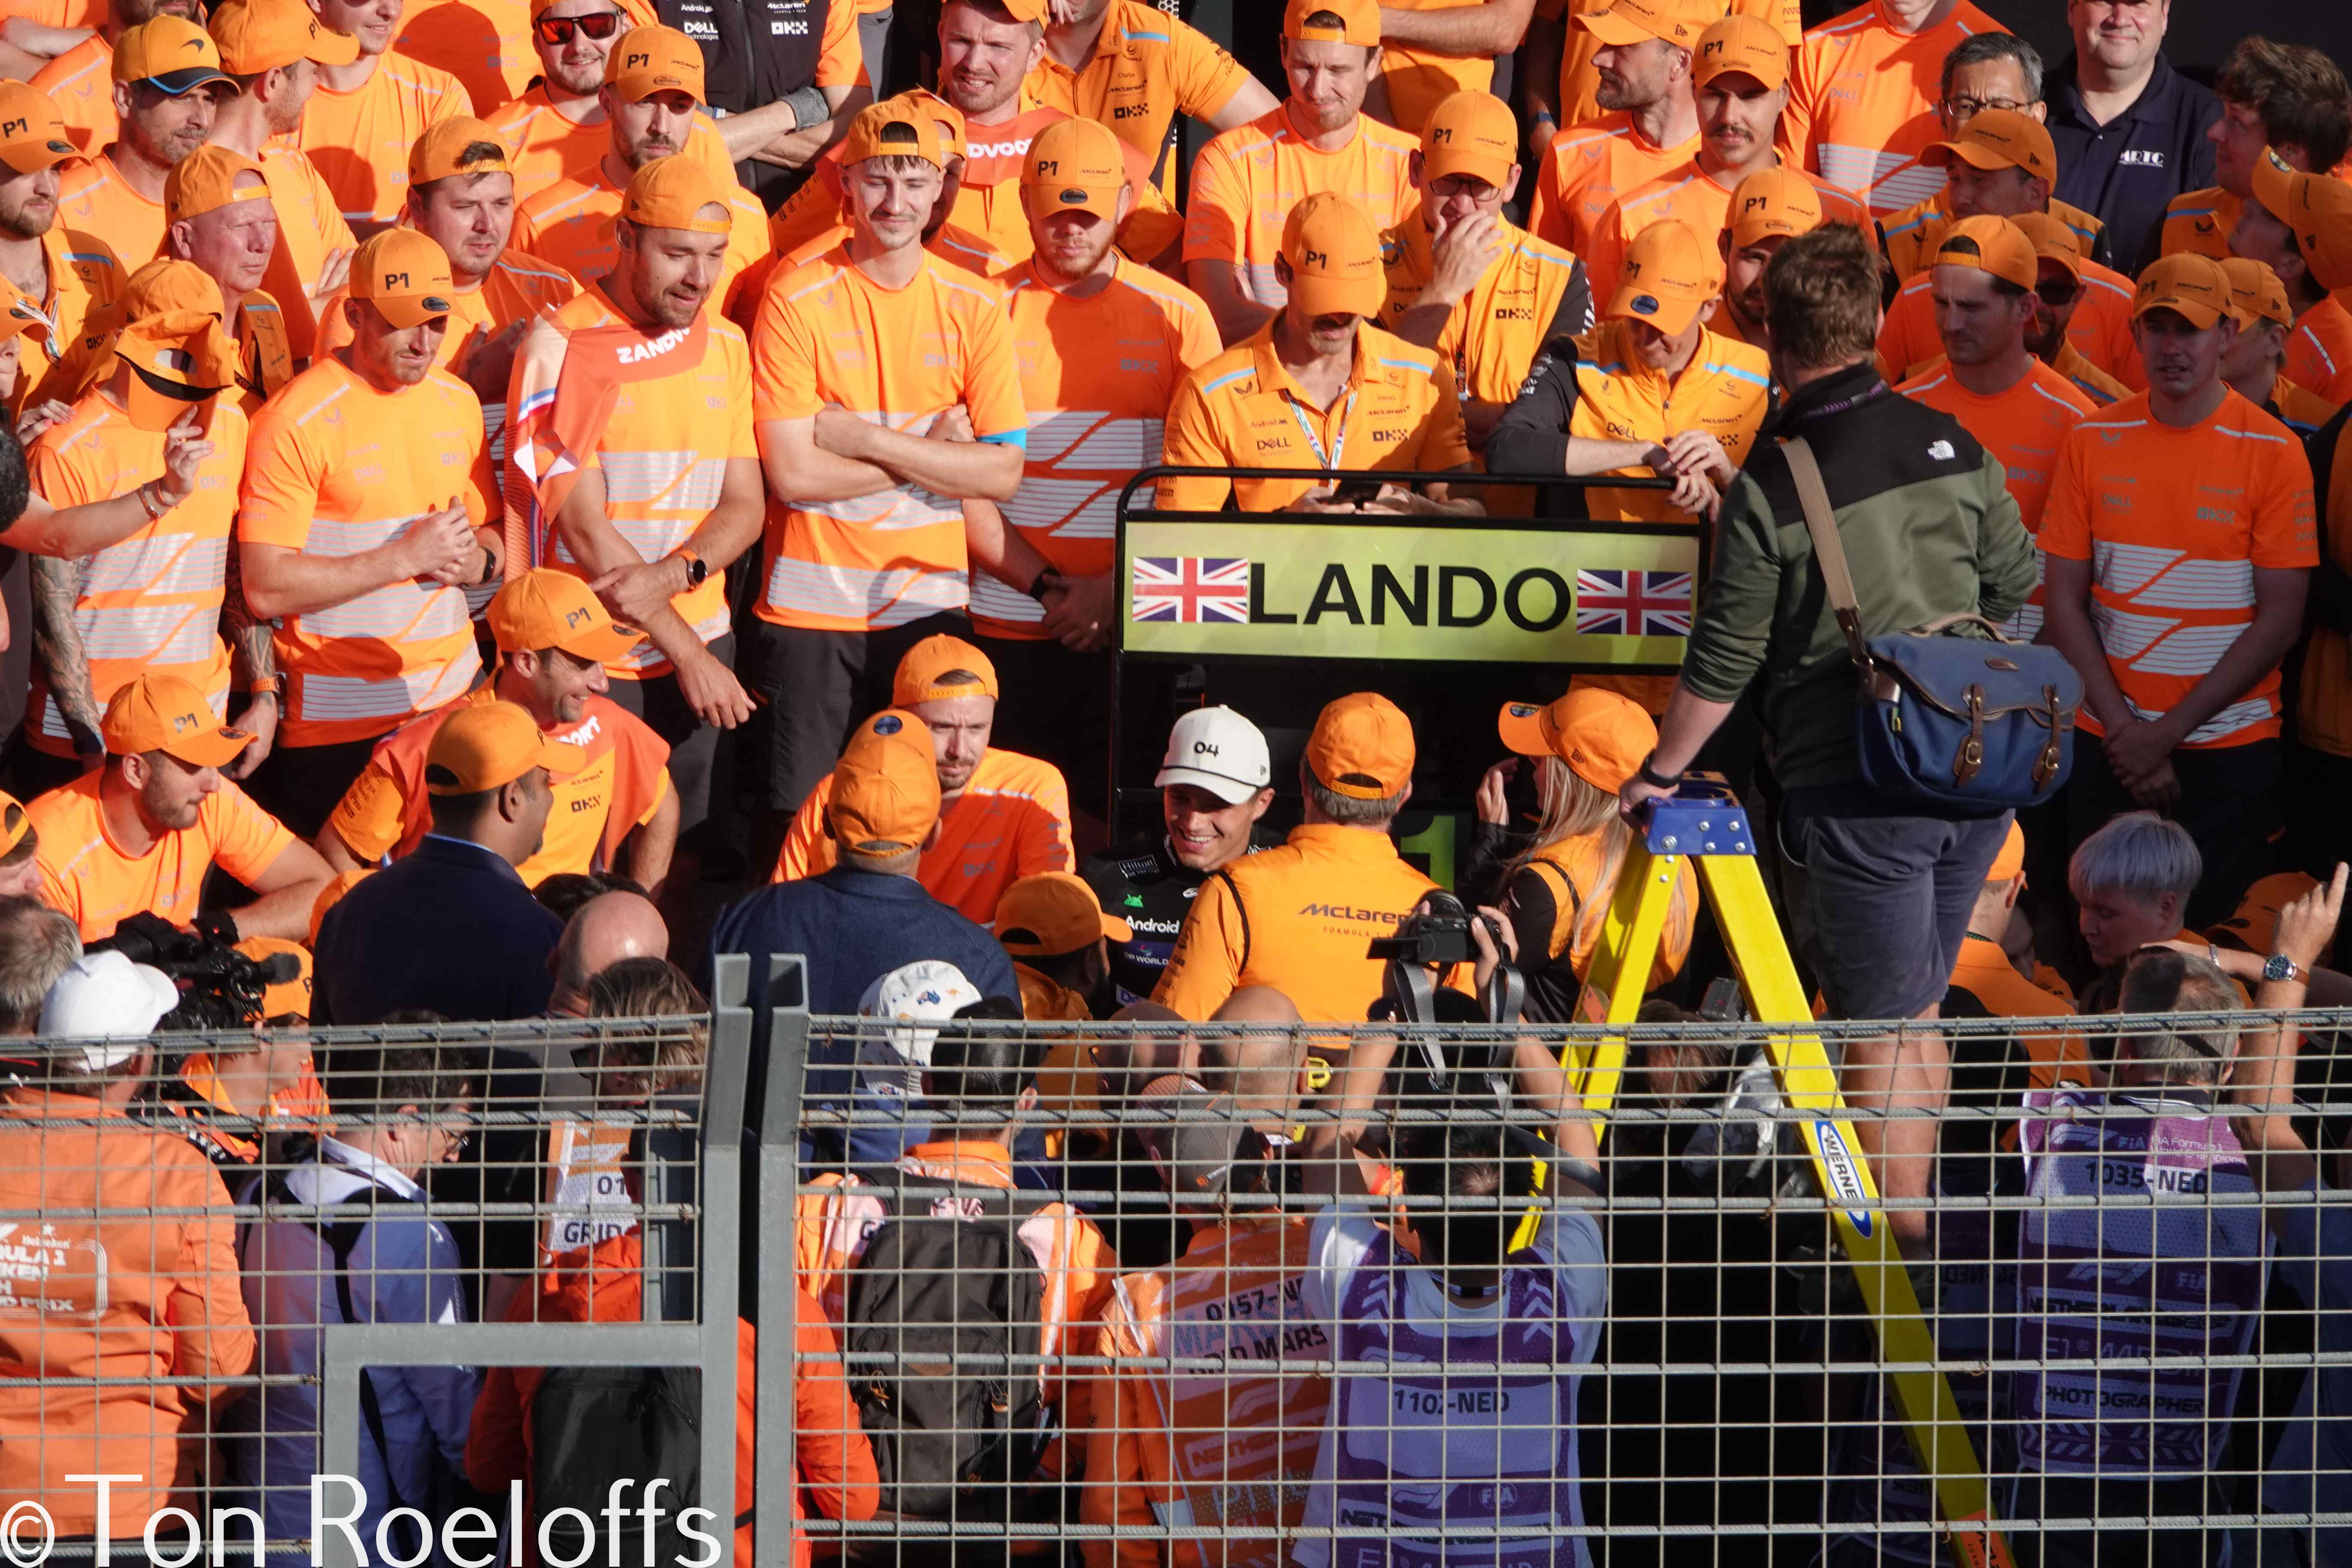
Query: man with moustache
[
  {"x": 1649, "y": 123},
  {"x": 165, "y": 74},
  {"x": 62, "y": 273}
]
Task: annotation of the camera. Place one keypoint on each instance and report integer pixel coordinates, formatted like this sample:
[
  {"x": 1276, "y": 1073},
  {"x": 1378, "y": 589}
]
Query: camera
[
  {"x": 1437, "y": 933},
  {"x": 221, "y": 987}
]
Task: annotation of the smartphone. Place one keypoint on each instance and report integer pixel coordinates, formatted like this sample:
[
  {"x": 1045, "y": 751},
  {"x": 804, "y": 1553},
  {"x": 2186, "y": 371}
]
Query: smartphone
[{"x": 1355, "y": 492}]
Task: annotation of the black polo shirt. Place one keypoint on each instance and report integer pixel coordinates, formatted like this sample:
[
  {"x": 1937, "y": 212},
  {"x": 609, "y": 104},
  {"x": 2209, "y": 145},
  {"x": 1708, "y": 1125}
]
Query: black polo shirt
[{"x": 2124, "y": 171}]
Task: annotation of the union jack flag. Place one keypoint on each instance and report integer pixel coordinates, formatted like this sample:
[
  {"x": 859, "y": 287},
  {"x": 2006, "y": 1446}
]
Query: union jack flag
[
  {"x": 1634, "y": 604},
  {"x": 1191, "y": 589}
]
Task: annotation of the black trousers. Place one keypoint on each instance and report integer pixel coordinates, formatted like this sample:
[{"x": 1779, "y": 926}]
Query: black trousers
[
  {"x": 818, "y": 685},
  {"x": 2228, "y": 802}
]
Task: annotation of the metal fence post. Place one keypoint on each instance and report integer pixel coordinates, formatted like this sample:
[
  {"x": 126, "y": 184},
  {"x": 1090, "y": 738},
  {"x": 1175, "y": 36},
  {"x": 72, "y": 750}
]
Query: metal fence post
[{"x": 777, "y": 1287}]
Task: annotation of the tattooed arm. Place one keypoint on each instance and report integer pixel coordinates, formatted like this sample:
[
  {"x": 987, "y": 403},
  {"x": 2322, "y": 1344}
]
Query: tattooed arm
[
  {"x": 57, "y": 643},
  {"x": 252, "y": 660}
]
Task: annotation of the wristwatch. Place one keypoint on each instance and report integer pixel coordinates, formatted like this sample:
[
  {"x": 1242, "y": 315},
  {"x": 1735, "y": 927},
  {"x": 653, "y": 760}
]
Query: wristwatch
[
  {"x": 2279, "y": 966},
  {"x": 1654, "y": 779},
  {"x": 1037, "y": 589},
  {"x": 697, "y": 568}
]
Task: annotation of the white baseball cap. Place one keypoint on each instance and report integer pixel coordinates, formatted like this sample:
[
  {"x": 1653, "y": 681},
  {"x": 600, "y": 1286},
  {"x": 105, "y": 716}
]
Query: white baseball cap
[
  {"x": 929, "y": 991},
  {"x": 103, "y": 1007},
  {"x": 1220, "y": 752}
]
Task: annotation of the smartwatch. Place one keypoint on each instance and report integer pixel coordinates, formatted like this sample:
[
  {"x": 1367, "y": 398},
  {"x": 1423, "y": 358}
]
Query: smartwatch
[
  {"x": 2279, "y": 966},
  {"x": 1036, "y": 590},
  {"x": 1654, "y": 779},
  {"x": 697, "y": 568}
]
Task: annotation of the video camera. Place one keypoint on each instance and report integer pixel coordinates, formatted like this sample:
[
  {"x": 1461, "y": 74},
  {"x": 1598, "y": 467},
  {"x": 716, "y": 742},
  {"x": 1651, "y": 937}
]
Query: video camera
[
  {"x": 221, "y": 988},
  {"x": 1437, "y": 934}
]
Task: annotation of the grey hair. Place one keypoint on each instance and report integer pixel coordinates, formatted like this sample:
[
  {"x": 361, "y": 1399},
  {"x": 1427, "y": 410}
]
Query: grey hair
[
  {"x": 38, "y": 944},
  {"x": 2138, "y": 853},
  {"x": 1349, "y": 810},
  {"x": 1984, "y": 48},
  {"x": 2167, "y": 981}
]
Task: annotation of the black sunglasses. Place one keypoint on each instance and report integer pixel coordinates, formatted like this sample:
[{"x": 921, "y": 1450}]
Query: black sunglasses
[
  {"x": 557, "y": 31},
  {"x": 2058, "y": 293}
]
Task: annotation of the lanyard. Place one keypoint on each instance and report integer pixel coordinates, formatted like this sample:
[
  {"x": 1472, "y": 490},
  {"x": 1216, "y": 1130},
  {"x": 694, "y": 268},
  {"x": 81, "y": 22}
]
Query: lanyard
[{"x": 1338, "y": 445}]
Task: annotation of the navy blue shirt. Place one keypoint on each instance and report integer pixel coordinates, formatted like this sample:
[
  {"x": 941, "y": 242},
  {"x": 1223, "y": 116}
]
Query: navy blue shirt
[
  {"x": 450, "y": 928},
  {"x": 2124, "y": 171}
]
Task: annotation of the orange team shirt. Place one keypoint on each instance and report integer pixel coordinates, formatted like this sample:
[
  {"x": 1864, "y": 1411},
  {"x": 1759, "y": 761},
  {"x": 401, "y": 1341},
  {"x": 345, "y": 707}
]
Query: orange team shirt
[
  {"x": 1010, "y": 821},
  {"x": 1201, "y": 1449},
  {"x": 1725, "y": 390},
  {"x": 2023, "y": 426},
  {"x": 336, "y": 468},
  {"x": 2323, "y": 694},
  {"x": 828, "y": 333},
  {"x": 1862, "y": 102},
  {"x": 664, "y": 458},
  {"x": 1246, "y": 180},
  {"x": 80, "y": 83},
  {"x": 387, "y": 810},
  {"x": 2100, "y": 330},
  {"x": 84, "y": 278},
  {"x": 1909, "y": 238},
  {"x": 1585, "y": 169},
  {"x": 2174, "y": 523},
  {"x": 93, "y": 195},
  {"x": 570, "y": 224},
  {"x": 150, "y": 603},
  {"x": 88, "y": 876},
  {"x": 1148, "y": 68},
  {"x": 1494, "y": 331},
  {"x": 1241, "y": 409},
  {"x": 311, "y": 228},
  {"x": 549, "y": 145},
  {"x": 1580, "y": 83},
  {"x": 1686, "y": 194},
  {"x": 360, "y": 139},
  {"x": 1419, "y": 78},
  {"x": 2319, "y": 351},
  {"x": 1097, "y": 376},
  {"x": 485, "y": 44},
  {"x": 516, "y": 288}
]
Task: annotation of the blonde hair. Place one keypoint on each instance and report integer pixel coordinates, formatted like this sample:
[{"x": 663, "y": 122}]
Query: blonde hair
[{"x": 1574, "y": 807}]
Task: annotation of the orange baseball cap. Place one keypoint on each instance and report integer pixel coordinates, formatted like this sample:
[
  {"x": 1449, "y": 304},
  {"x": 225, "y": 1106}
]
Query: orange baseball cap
[
  {"x": 442, "y": 151},
  {"x": 1990, "y": 244},
  {"x": 32, "y": 131},
  {"x": 491, "y": 744},
  {"x": 1359, "y": 22},
  {"x": 1024, "y": 10},
  {"x": 205, "y": 181},
  {"x": 13, "y": 823},
  {"x": 1472, "y": 133},
  {"x": 257, "y": 36},
  {"x": 2254, "y": 925},
  {"x": 20, "y": 314},
  {"x": 1773, "y": 202},
  {"x": 173, "y": 340},
  {"x": 2010, "y": 861},
  {"x": 2193, "y": 285},
  {"x": 651, "y": 59},
  {"x": 946, "y": 119},
  {"x": 1741, "y": 43},
  {"x": 165, "y": 713},
  {"x": 2255, "y": 293},
  {"x": 1667, "y": 277},
  {"x": 1361, "y": 747},
  {"x": 405, "y": 273},
  {"x": 171, "y": 54},
  {"x": 1074, "y": 165},
  {"x": 1335, "y": 258},
  {"x": 674, "y": 193},
  {"x": 1680, "y": 22},
  {"x": 2318, "y": 208},
  {"x": 287, "y": 996},
  {"x": 1049, "y": 913},
  {"x": 547, "y": 608},
  {"x": 2051, "y": 238},
  {"x": 885, "y": 787},
  {"x": 1998, "y": 139},
  {"x": 1601, "y": 735},
  {"x": 894, "y": 128},
  {"x": 921, "y": 676}
]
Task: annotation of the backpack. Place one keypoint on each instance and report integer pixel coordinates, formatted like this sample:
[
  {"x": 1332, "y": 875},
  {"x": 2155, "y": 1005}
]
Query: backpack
[
  {"x": 950, "y": 1437},
  {"x": 594, "y": 1426}
]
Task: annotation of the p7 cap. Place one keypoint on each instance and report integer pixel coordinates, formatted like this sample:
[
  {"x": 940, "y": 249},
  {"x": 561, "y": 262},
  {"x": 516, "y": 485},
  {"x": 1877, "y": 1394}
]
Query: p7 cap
[
  {"x": 1049, "y": 913},
  {"x": 1334, "y": 257},
  {"x": 885, "y": 787},
  {"x": 32, "y": 131},
  {"x": 894, "y": 128},
  {"x": 546, "y": 608},
  {"x": 648, "y": 61},
  {"x": 169, "y": 54},
  {"x": 1333, "y": 22},
  {"x": 927, "y": 672},
  {"x": 1772, "y": 203},
  {"x": 1217, "y": 750},
  {"x": 405, "y": 275},
  {"x": 1991, "y": 245},
  {"x": 165, "y": 713},
  {"x": 258, "y": 36},
  {"x": 677, "y": 191},
  {"x": 2193, "y": 285},
  {"x": 1361, "y": 747},
  {"x": 1998, "y": 139},
  {"x": 2051, "y": 237},
  {"x": 1742, "y": 42},
  {"x": 1472, "y": 133},
  {"x": 2255, "y": 293},
  {"x": 1679, "y": 22},
  {"x": 2318, "y": 208},
  {"x": 210, "y": 178},
  {"x": 461, "y": 144},
  {"x": 1667, "y": 277},
  {"x": 1601, "y": 735},
  {"x": 489, "y": 746},
  {"x": 101, "y": 1009},
  {"x": 1074, "y": 165}
]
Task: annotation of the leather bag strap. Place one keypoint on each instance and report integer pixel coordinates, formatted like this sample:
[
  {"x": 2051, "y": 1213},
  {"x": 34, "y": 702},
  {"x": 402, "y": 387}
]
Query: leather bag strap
[{"x": 1829, "y": 550}]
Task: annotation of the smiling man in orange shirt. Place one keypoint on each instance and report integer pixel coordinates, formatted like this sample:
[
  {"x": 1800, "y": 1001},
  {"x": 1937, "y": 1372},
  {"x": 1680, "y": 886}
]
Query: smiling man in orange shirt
[
  {"x": 165, "y": 74},
  {"x": 557, "y": 126},
  {"x": 365, "y": 116},
  {"x": 1649, "y": 122}
]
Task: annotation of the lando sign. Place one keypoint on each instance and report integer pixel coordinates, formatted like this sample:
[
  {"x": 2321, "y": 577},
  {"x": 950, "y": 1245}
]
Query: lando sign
[{"x": 1271, "y": 588}]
